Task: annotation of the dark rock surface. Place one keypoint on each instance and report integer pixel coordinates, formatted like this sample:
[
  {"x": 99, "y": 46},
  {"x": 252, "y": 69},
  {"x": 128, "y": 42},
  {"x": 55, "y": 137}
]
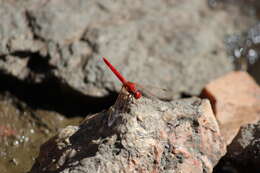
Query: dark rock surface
[
  {"x": 146, "y": 136},
  {"x": 244, "y": 152},
  {"x": 159, "y": 43},
  {"x": 250, "y": 6}
]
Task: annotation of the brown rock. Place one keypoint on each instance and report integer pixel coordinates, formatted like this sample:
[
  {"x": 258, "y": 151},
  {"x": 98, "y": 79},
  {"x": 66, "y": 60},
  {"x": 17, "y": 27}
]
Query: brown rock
[
  {"x": 146, "y": 136},
  {"x": 235, "y": 99}
]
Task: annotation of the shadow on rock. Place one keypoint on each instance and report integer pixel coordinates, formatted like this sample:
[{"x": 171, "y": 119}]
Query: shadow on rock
[{"x": 51, "y": 94}]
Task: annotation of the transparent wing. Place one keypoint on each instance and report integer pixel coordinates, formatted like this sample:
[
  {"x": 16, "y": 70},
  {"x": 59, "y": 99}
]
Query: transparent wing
[
  {"x": 120, "y": 106},
  {"x": 155, "y": 92}
]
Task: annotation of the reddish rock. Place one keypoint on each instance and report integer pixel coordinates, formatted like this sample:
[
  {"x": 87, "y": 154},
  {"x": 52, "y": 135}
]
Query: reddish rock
[
  {"x": 146, "y": 137},
  {"x": 235, "y": 99}
]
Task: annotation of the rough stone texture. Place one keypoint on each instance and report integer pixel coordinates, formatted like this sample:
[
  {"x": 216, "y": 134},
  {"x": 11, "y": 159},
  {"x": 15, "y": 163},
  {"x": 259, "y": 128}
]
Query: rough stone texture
[
  {"x": 160, "y": 43},
  {"x": 235, "y": 98},
  {"x": 145, "y": 136},
  {"x": 246, "y": 147},
  {"x": 243, "y": 153}
]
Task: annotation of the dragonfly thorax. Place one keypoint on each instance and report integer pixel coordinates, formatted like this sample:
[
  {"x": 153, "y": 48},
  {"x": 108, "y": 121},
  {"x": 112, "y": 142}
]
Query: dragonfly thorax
[{"x": 131, "y": 88}]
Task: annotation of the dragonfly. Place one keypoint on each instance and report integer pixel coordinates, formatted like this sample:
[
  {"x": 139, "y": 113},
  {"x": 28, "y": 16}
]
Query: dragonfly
[
  {"x": 129, "y": 86},
  {"x": 130, "y": 90}
]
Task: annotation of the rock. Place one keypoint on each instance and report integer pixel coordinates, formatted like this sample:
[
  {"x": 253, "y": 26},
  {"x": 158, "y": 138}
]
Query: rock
[
  {"x": 247, "y": 6},
  {"x": 235, "y": 99},
  {"x": 245, "y": 146},
  {"x": 165, "y": 48},
  {"x": 62, "y": 21},
  {"x": 13, "y": 26},
  {"x": 143, "y": 136},
  {"x": 243, "y": 153},
  {"x": 15, "y": 67}
]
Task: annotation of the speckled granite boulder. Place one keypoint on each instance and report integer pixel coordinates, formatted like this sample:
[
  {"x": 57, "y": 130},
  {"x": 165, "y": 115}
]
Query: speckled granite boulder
[{"x": 146, "y": 136}]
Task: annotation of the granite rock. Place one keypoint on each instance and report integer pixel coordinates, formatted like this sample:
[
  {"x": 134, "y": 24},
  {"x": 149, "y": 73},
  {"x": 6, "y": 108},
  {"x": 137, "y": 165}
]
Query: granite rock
[{"x": 144, "y": 136}]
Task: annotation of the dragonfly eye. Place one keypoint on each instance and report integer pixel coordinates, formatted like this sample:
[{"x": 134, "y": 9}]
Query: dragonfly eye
[{"x": 137, "y": 95}]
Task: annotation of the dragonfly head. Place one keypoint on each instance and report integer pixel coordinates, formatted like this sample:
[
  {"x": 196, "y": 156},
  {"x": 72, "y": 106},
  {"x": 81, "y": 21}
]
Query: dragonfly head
[{"x": 137, "y": 94}]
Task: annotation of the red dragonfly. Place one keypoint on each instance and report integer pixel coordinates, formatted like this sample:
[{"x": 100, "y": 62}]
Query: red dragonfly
[
  {"x": 136, "y": 90},
  {"x": 128, "y": 89},
  {"x": 129, "y": 86}
]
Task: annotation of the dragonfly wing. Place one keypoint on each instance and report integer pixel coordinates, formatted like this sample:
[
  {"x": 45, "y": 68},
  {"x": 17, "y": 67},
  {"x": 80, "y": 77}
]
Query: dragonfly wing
[
  {"x": 155, "y": 92},
  {"x": 120, "y": 106}
]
